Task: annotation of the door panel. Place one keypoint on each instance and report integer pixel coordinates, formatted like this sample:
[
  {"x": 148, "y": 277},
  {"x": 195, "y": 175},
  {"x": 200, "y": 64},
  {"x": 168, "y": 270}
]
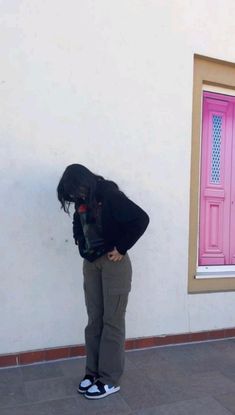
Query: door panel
[
  {"x": 215, "y": 187},
  {"x": 232, "y": 201}
]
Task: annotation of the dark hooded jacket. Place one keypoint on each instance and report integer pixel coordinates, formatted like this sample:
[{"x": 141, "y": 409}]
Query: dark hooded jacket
[{"x": 122, "y": 221}]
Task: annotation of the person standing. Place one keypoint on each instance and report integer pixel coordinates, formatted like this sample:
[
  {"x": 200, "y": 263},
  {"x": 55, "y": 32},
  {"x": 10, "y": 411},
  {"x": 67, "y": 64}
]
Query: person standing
[{"x": 106, "y": 224}]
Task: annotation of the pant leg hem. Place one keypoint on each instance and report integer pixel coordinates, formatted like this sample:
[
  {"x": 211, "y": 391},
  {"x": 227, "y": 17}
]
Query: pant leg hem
[{"x": 106, "y": 381}]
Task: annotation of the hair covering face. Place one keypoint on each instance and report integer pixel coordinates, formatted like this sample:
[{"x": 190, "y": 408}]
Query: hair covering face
[{"x": 77, "y": 182}]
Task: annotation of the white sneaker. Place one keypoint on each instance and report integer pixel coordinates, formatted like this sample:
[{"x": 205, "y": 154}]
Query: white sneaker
[{"x": 99, "y": 390}]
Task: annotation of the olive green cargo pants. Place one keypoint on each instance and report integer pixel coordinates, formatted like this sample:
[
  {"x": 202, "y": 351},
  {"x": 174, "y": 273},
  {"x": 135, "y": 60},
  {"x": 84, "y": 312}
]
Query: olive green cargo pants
[{"x": 106, "y": 286}]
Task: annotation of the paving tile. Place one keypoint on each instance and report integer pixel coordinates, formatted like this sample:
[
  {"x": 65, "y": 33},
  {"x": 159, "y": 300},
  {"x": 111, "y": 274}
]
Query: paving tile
[
  {"x": 200, "y": 385},
  {"x": 209, "y": 382},
  {"x": 196, "y": 358},
  {"x": 174, "y": 373},
  {"x": 141, "y": 358},
  {"x": 11, "y": 375},
  {"x": 138, "y": 391},
  {"x": 178, "y": 387},
  {"x": 210, "y": 363},
  {"x": 228, "y": 371},
  {"x": 185, "y": 359},
  {"x": 41, "y": 371},
  {"x": 48, "y": 389},
  {"x": 193, "y": 348},
  {"x": 76, "y": 366},
  {"x": 12, "y": 393},
  {"x": 56, "y": 407},
  {"x": 224, "y": 347},
  {"x": 190, "y": 357},
  {"x": 164, "y": 374},
  {"x": 111, "y": 405},
  {"x": 227, "y": 400},
  {"x": 73, "y": 367},
  {"x": 183, "y": 379},
  {"x": 129, "y": 364},
  {"x": 225, "y": 355},
  {"x": 207, "y": 406}
]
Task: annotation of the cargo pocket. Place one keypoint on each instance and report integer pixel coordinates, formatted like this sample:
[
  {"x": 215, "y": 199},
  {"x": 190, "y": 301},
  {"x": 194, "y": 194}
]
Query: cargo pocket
[{"x": 116, "y": 304}]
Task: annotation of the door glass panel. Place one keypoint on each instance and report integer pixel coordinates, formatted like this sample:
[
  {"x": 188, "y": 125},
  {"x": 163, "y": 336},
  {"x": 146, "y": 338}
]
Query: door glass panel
[{"x": 216, "y": 148}]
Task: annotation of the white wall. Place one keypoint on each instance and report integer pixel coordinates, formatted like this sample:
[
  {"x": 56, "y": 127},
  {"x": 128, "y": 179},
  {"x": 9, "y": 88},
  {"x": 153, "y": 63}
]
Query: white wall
[{"x": 107, "y": 84}]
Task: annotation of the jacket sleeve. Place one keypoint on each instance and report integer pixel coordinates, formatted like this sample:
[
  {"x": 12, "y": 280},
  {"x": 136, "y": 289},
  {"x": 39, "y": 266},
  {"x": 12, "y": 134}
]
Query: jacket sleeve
[{"x": 132, "y": 219}]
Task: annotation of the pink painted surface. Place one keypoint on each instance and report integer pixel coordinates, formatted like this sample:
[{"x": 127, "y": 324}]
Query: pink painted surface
[
  {"x": 216, "y": 242},
  {"x": 232, "y": 202}
]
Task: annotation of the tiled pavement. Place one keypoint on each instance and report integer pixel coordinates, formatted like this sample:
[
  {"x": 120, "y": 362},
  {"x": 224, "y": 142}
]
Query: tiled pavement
[{"x": 192, "y": 379}]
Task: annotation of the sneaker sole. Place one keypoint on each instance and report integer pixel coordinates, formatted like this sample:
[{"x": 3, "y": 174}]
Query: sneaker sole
[
  {"x": 103, "y": 396},
  {"x": 80, "y": 391}
]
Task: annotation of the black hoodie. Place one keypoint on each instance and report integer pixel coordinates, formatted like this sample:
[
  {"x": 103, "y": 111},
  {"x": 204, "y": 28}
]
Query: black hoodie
[{"x": 122, "y": 221}]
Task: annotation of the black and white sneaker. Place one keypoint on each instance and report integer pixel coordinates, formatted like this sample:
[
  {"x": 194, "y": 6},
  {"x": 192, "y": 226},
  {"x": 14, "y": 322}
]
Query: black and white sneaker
[
  {"x": 86, "y": 383},
  {"x": 100, "y": 390}
]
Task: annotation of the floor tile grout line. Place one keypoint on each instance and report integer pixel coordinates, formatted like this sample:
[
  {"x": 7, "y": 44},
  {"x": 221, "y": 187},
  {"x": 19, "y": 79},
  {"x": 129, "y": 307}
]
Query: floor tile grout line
[
  {"x": 30, "y": 403},
  {"x": 187, "y": 400},
  {"x": 217, "y": 400},
  {"x": 49, "y": 378},
  {"x": 70, "y": 397},
  {"x": 75, "y": 396}
]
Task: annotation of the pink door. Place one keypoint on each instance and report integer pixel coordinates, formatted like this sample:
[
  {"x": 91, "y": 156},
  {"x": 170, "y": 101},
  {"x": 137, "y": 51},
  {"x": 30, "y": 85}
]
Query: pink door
[
  {"x": 232, "y": 202},
  {"x": 217, "y": 211}
]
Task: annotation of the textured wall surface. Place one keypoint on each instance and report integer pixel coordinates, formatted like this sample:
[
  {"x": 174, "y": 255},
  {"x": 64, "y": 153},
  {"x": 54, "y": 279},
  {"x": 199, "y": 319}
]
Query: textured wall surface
[{"x": 107, "y": 84}]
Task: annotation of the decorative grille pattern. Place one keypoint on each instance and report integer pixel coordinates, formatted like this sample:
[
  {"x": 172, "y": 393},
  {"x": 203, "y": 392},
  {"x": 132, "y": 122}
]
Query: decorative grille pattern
[{"x": 216, "y": 148}]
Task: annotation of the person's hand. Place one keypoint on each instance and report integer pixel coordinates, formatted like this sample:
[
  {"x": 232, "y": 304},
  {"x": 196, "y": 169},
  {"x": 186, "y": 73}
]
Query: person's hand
[{"x": 114, "y": 255}]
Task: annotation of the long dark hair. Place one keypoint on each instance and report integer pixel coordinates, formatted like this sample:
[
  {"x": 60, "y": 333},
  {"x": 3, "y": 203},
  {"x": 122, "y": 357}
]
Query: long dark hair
[{"x": 74, "y": 177}]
